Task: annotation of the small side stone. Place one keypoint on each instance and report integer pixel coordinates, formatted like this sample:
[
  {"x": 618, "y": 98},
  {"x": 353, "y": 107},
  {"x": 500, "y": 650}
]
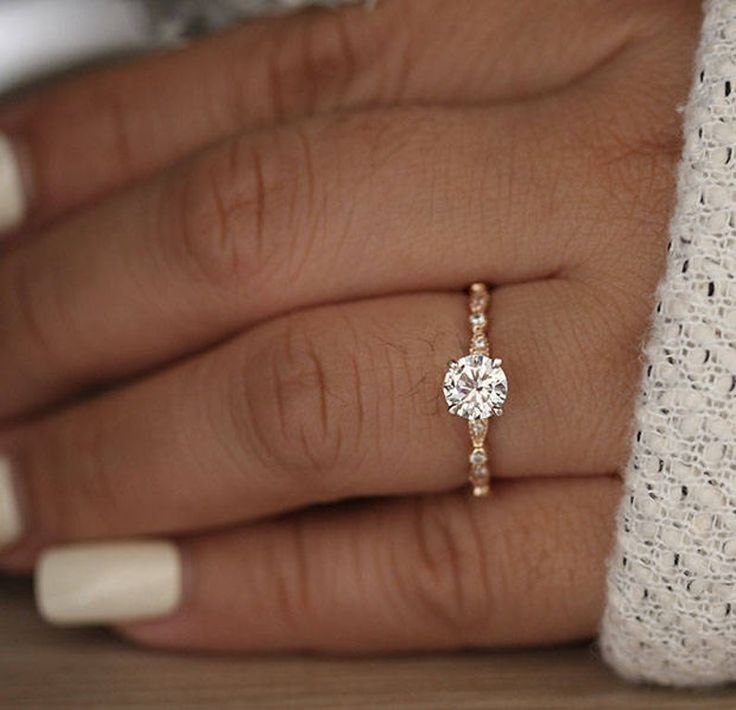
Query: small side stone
[{"x": 478, "y": 457}]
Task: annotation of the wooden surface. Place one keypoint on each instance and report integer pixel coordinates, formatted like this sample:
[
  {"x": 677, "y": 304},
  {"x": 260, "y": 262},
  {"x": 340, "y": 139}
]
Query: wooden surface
[{"x": 42, "y": 667}]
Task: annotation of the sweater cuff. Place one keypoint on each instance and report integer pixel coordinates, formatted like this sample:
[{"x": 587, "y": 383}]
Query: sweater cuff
[{"x": 671, "y": 610}]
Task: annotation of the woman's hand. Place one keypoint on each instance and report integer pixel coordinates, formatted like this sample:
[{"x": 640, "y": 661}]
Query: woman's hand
[{"x": 244, "y": 283}]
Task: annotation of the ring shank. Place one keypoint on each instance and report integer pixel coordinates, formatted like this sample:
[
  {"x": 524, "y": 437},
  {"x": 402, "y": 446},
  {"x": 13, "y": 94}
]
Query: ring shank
[{"x": 479, "y": 476}]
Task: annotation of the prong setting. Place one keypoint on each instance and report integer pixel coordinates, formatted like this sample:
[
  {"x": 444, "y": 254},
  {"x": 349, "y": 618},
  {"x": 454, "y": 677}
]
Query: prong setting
[{"x": 474, "y": 389}]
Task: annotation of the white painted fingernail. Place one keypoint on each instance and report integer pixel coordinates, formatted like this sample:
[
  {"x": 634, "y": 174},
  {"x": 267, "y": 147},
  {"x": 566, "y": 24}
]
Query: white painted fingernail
[
  {"x": 108, "y": 583},
  {"x": 11, "y": 525},
  {"x": 12, "y": 192}
]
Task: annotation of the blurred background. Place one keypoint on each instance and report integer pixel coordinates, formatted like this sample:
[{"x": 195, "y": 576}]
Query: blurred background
[{"x": 41, "y": 38}]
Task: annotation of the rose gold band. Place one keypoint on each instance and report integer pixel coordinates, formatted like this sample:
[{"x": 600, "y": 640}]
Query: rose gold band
[{"x": 479, "y": 475}]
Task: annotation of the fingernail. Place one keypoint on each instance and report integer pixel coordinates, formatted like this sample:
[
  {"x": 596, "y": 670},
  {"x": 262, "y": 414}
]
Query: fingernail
[
  {"x": 12, "y": 193},
  {"x": 108, "y": 583},
  {"x": 11, "y": 526}
]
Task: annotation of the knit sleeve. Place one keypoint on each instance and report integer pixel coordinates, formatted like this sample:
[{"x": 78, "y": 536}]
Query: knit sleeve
[{"x": 671, "y": 611}]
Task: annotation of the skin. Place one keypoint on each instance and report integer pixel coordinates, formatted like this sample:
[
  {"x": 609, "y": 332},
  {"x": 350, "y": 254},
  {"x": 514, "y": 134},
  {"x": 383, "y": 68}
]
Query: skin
[{"x": 242, "y": 277}]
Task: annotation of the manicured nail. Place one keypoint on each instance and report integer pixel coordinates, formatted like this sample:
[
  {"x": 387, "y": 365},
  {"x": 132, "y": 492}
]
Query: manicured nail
[
  {"x": 11, "y": 526},
  {"x": 12, "y": 193},
  {"x": 108, "y": 583}
]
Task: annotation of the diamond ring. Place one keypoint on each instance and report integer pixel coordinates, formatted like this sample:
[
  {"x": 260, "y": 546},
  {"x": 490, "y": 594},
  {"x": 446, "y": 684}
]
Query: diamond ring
[{"x": 476, "y": 387}]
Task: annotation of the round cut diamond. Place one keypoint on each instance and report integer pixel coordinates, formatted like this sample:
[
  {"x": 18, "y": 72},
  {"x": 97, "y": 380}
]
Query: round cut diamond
[{"x": 475, "y": 387}]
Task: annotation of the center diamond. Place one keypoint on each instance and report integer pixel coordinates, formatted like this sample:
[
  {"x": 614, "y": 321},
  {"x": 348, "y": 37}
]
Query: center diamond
[{"x": 475, "y": 387}]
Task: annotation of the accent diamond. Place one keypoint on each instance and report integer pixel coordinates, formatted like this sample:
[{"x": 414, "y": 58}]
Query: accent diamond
[
  {"x": 475, "y": 387},
  {"x": 478, "y": 456},
  {"x": 479, "y": 342},
  {"x": 480, "y": 474}
]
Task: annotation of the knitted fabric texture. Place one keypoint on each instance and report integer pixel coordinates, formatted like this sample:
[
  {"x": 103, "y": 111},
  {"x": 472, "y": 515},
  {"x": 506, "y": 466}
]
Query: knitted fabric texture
[{"x": 671, "y": 612}]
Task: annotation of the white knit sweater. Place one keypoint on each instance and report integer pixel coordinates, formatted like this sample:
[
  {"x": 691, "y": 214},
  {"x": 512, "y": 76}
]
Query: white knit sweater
[{"x": 671, "y": 611}]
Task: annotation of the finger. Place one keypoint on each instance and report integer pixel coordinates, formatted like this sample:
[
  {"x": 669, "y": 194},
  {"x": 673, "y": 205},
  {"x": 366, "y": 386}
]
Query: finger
[
  {"x": 338, "y": 403},
  {"x": 524, "y": 567},
  {"x": 336, "y": 209},
  {"x": 89, "y": 136}
]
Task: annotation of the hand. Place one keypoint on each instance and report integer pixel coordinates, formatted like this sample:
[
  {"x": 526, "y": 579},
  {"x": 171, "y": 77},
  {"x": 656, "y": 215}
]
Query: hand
[{"x": 245, "y": 280}]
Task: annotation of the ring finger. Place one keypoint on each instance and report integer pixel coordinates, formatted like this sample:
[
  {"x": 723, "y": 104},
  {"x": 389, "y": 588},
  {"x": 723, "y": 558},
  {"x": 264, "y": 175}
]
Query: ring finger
[{"x": 339, "y": 402}]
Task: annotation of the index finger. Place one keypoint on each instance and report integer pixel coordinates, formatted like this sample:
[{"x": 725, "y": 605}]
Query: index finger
[{"x": 89, "y": 136}]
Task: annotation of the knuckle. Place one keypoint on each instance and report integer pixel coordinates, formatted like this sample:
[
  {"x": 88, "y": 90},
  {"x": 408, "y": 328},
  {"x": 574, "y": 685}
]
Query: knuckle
[
  {"x": 327, "y": 54},
  {"x": 634, "y": 176},
  {"x": 314, "y": 384},
  {"x": 291, "y": 575},
  {"x": 114, "y": 112},
  {"x": 65, "y": 471},
  {"x": 307, "y": 203},
  {"x": 640, "y": 166},
  {"x": 214, "y": 218},
  {"x": 448, "y": 582},
  {"x": 638, "y": 117},
  {"x": 30, "y": 323},
  {"x": 528, "y": 558},
  {"x": 39, "y": 314},
  {"x": 635, "y": 182},
  {"x": 116, "y": 127},
  {"x": 298, "y": 418},
  {"x": 318, "y": 64}
]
